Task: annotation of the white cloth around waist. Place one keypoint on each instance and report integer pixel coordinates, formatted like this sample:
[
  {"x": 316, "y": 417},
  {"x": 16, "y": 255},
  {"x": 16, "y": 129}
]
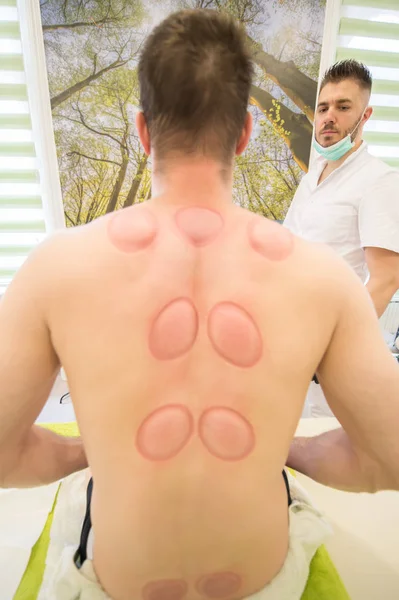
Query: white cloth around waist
[{"x": 62, "y": 580}]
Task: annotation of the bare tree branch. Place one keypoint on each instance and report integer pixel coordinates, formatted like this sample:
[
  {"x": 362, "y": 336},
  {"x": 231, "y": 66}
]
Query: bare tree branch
[
  {"x": 273, "y": 214},
  {"x": 69, "y": 219},
  {"x": 63, "y": 96},
  {"x": 83, "y": 122},
  {"x": 293, "y": 174},
  {"x": 280, "y": 174},
  {"x": 131, "y": 197},
  {"x": 75, "y": 153},
  {"x": 309, "y": 39},
  {"x": 64, "y": 26},
  {"x": 248, "y": 193},
  {"x": 118, "y": 183}
]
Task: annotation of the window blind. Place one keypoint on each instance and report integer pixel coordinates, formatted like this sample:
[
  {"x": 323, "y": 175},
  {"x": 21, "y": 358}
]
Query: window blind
[
  {"x": 22, "y": 223},
  {"x": 369, "y": 32}
]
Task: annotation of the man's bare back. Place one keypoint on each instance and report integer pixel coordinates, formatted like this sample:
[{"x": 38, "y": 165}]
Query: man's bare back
[{"x": 186, "y": 400}]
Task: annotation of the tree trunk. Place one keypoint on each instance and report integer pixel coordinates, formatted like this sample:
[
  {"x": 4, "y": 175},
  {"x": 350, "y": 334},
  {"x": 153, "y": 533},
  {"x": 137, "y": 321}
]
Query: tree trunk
[
  {"x": 58, "y": 26},
  {"x": 93, "y": 208},
  {"x": 300, "y": 88},
  {"x": 68, "y": 218},
  {"x": 118, "y": 183},
  {"x": 131, "y": 197},
  {"x": 60, "y": 98},
  {"x": 296, "y": 130},
  {"x": 149, "y": 193}
]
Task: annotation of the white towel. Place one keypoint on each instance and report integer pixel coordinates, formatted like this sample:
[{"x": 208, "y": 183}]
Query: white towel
[
  {"x": 62, "y": 580},
  {"x": 67, "y": 522},
  {"x": 23, "y": 514}
]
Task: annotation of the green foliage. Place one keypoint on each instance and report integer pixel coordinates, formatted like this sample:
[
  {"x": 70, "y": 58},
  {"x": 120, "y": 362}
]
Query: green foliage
[
  {"x": 266, "y": 176},
  {"x": 95, "y": 13},
  {"x": 276, "y": 120},
  {"x": 94, "y": 135}
]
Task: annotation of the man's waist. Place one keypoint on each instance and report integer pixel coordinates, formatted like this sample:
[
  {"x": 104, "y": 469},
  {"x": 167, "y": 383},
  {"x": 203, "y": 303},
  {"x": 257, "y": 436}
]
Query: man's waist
[{"x": 187, "y": 547}]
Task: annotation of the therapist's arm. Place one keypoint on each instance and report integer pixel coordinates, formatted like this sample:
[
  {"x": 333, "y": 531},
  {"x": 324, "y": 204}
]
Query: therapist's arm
[{"x": 383, "y": 266}]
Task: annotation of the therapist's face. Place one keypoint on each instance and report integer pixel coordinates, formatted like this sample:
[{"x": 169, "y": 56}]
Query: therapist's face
[{"x": 339, "y": 108}]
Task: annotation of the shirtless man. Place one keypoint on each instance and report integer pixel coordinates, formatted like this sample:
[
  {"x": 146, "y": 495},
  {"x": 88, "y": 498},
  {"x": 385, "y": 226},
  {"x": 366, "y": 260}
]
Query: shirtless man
[{"x": 171, "y": 320}]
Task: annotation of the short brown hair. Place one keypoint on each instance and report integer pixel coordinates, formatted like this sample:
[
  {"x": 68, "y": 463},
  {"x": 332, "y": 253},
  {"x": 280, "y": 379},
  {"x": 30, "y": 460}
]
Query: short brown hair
[
  {"x": 195, "y": 74},
  {"x": 348, "y": 69}
]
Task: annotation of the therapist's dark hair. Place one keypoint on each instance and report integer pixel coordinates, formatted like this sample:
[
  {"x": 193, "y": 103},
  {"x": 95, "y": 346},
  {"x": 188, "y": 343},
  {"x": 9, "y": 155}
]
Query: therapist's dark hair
[{"x": 348, "y": 69}]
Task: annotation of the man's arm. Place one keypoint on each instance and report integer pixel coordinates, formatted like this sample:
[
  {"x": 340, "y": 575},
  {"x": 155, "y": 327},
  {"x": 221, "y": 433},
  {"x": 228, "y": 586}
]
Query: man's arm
[
  {"x": 379, "y": 236},
  {"x": 30, "y": 455},
  {"x": 360, "y": 379},
  {"x": 383, "y": 266}
]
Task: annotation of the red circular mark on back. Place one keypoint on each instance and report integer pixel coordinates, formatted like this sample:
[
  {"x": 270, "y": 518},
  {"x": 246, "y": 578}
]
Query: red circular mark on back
[
  {"x": 219, "y": 585},
  {"x": 271, "y": 240},
  {"x": 132, "y": 229},
  {"x": 235, "y": 335},
  {"x": 164, "y": 432},
  {"x": 174, "y": 330},
  {"x": 226, "y": 433},
  {"x": 166, "y": 589},
  {"x": 199, "y": 225}
]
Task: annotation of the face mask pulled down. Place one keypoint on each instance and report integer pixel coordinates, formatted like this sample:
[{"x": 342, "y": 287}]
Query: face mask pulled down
[{"x": 338, "y": 150}]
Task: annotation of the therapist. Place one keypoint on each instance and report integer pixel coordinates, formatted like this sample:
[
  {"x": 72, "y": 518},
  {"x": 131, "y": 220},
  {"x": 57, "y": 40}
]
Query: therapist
[{"x": 349, "y": 199}]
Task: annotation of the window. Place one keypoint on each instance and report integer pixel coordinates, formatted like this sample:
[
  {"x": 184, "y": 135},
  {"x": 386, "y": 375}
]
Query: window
[
  {"x": 22, "y": 223},
  {"x": 369, "y": 32},
  {"x": 26, "y": 183}
]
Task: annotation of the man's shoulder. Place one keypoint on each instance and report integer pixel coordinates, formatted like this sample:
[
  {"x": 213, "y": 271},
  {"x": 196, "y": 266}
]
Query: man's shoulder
[
  {"x": 319, "y": 261},
  {"x": 64, "y": 251},
  {"x": 378, "y": 183},
  {"x": 374, "y": 168},
  {"x": 65, "y": 240}
]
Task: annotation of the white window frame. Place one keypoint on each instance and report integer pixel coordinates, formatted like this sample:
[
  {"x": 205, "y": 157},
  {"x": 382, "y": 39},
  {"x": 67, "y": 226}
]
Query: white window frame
[
  {"x": 330, "y": 35},
  {"x": 40, "y": 111},
  {"x": 328, "y": 49}
]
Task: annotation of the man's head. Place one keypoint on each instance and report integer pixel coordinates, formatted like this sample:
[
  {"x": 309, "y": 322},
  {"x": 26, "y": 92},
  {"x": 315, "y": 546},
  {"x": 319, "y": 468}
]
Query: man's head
[
  {"x": 342, "y": 106},
  {"x": 195, "y": 75}
]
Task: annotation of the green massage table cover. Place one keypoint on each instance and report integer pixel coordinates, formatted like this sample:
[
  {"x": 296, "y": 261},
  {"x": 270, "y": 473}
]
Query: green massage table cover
[{"x": 324, "y": 582}]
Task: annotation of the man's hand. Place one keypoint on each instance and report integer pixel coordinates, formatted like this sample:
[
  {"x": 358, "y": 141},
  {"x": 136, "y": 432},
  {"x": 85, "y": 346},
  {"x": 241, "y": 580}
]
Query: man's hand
[{"x": 41, "y": 458}]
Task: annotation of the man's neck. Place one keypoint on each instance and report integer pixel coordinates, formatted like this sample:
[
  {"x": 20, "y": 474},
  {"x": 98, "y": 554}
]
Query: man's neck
[
  {"x": 195, "y": 181},
  {"x": 332, "y": 165}
]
